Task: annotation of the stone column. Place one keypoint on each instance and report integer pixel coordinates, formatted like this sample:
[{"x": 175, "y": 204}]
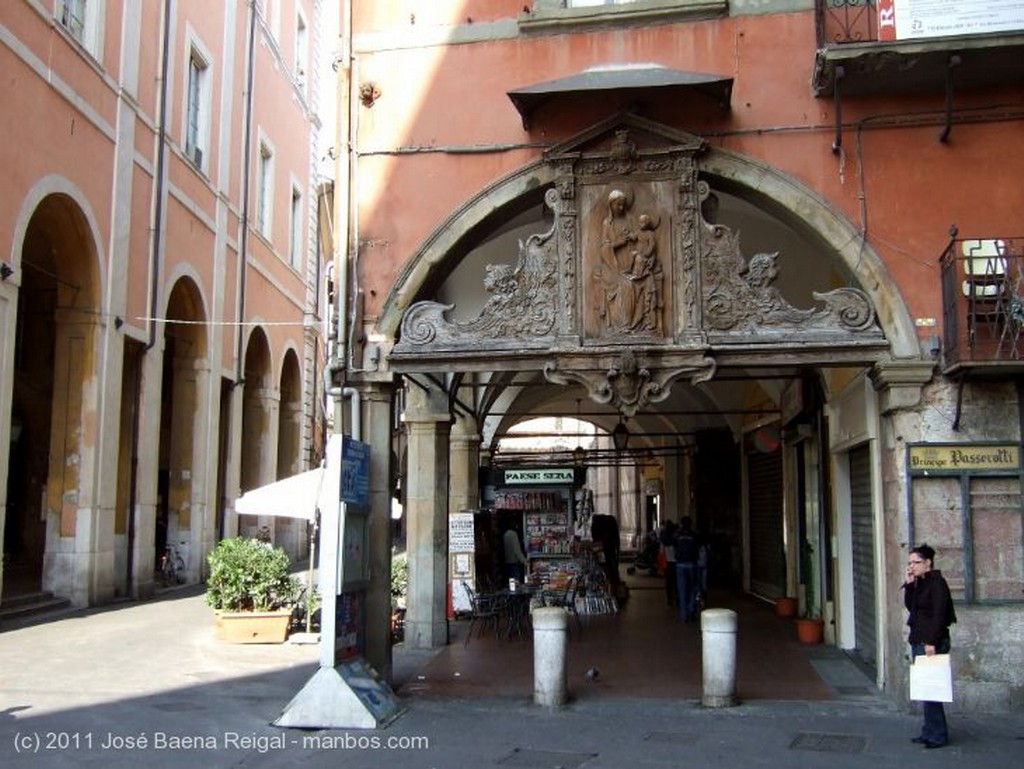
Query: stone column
[
  {"x": 464, "y": 479},
  {"x": 376, "y": 428},
  {"x": 427, "y": 423}
]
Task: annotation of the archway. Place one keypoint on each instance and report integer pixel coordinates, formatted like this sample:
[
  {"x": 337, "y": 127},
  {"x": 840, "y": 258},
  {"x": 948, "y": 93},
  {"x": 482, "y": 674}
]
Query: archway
[
  {"x": 290, "y": 532},
  {"x": 727, "y": 355},
  {"x": 54, "y": 360},
  {"x": 182, "y": 416},
  {"x": 259, "y": 426}
]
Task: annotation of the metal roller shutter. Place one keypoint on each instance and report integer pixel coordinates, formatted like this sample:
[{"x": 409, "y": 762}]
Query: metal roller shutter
[
  {"x": 863, "y": 530},
  {"x": 767, "y": 562}
]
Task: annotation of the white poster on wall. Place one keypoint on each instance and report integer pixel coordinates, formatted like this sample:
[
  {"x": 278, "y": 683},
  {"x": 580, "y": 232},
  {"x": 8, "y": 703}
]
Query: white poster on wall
[{"x": 918, "y": 19}]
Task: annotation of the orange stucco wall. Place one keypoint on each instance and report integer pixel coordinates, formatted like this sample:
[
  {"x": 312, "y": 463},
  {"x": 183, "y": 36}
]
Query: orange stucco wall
[{"x": 893, "y": 179}]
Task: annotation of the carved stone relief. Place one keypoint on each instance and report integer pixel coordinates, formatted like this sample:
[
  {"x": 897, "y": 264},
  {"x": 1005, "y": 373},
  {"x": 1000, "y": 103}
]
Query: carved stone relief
[
  {"x": 627, "y": 278},
  {"x": 738, "y": 297},
  {"x": 629, "y": 387},
  {"x": 631, "y": 261},
  {"x": 522, "y": 300}
]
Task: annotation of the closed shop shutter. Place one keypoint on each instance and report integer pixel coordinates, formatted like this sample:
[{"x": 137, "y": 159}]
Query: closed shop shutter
[
  {"x": 862, "y": 523},
  {"x": 767, "y": 562}
]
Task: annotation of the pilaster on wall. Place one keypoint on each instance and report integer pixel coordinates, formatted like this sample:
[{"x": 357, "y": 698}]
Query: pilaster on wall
[
  {"x": 900, "y": 386},
  {"x": 428, "y": 424}
]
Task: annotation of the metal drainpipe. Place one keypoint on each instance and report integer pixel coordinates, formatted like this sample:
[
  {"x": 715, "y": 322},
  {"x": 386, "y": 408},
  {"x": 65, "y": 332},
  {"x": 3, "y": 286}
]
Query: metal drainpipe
[
  {"x": 158, "y": 195},
  {"x": 341, "y": 262},
  {"x": 243, "y": 245},
  {"x": 353, "y": 394}
]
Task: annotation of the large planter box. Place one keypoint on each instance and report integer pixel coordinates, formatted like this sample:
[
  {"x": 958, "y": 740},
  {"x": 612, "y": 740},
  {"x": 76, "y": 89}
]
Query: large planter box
[{"x": 253, "y": 627}]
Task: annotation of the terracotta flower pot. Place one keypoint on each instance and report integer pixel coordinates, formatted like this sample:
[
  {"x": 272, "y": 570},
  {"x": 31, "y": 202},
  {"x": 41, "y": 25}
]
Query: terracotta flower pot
[
  {"x": 810, "y": 630},
  {"x": 785, "y": 606}
]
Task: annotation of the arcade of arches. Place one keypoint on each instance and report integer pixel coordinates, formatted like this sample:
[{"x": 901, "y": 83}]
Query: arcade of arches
[{"x": 123, "y": 439}]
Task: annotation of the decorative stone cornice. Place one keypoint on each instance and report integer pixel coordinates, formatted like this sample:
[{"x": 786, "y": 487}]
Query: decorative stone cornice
[{"x": 899, "y": 383}]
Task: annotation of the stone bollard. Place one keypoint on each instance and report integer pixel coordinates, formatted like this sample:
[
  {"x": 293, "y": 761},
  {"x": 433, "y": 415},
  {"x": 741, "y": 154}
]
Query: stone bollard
[
  {"x": 550, "y": 635},
  {"x": 718, "y": 634}
]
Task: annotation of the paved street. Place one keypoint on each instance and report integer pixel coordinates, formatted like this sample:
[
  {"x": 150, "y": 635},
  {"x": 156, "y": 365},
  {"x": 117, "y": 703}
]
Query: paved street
[{"x": 146, "y": 684}]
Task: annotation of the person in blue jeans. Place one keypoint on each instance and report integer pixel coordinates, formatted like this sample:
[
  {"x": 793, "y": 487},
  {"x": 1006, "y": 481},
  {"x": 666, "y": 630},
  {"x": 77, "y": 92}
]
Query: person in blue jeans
[
  {"x": 930, "y": 606},
  {"x": 687, "y": 551}
]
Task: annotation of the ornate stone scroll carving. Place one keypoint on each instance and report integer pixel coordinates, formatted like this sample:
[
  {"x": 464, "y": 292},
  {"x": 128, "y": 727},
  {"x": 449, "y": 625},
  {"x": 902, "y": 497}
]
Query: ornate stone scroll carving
[
  {"x": 629, "y": 387},
  {"x": 521, "y": 304},
  {"x": 739, "y": 297}
]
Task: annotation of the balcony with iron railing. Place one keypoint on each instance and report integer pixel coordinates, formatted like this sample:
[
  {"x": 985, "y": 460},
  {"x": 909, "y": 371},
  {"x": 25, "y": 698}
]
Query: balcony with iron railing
[
  {"x": 856, "y": 56},
  {"x": 983, "y": 306}
]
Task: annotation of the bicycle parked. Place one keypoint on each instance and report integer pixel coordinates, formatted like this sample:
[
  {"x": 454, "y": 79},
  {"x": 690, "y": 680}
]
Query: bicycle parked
[{"x": 172, "y": 567}]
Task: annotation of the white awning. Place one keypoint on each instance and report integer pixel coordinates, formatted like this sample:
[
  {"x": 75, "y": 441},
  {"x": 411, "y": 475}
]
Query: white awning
[{"x": 295, "y": 497}]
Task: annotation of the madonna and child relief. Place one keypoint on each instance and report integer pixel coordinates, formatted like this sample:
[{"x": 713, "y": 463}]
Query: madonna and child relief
[{"x": 626, "y": 273}]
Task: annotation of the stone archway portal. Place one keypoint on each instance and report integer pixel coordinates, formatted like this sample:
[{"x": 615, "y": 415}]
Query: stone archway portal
[{"x": 633, "y": 288}]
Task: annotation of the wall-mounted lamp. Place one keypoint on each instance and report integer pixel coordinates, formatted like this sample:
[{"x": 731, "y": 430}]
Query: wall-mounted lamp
[
  {"x": 620, "y": 436},
  {"x": 935, "y": 345},
  {"x": 6, "y": 271}
]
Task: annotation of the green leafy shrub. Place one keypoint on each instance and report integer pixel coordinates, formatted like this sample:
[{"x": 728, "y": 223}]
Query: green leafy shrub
[
  {"x": 399, "y": 577},
  {"x": 249, "y": 575}
]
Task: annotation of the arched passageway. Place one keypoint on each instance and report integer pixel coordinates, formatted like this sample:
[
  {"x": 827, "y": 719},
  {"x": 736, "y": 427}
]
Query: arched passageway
[
  {"x": 259, "y": 425},
  {"x": 57, "y": 326},
  {"x": 632, "y": 291},
  {"x": 180, "y": 518}
]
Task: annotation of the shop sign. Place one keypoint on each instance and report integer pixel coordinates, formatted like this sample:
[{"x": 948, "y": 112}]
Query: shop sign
[
  {"x": 917, "y": 19},
  {"x": 961, "y": 458},
  {"x": 539, "y": 476}
]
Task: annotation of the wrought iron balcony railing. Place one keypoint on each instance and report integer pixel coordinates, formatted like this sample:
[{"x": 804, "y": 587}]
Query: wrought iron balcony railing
[
  {"x": 983, "y": 301},
  {"x": 846, "y": 21}
]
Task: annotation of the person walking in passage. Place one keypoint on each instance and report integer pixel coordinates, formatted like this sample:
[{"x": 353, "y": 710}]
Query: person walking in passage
[
  {"x": 687, "y": 550},
  {"x": 515, "y": 558},
  {"x": 668, "y": 547},
  {"x": 927, "y": 599}
]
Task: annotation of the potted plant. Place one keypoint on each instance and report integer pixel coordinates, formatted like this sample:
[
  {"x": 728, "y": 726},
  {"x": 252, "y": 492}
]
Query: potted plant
[
  {"x": 399, "y": 590},
  {"x": 785, "y": 605},
  {"x": 810, "y": 628},
  {"x": 251, "y": 589}
]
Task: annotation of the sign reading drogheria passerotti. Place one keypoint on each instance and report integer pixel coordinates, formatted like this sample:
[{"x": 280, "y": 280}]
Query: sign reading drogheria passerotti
[{"x": 962, "y": 457}]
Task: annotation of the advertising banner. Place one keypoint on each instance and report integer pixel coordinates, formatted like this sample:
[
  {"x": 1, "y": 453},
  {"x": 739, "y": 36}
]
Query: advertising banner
[{"x": 919, "y": 19}]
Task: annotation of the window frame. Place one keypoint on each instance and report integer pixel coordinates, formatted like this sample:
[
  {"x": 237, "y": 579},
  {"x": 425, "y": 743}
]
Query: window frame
[
  {"x": 265, "y": 188},
  {"x": 301, "y": 46},
  {"x": 296, "y": 240},
  {"x": 195, "y": 140},
  {"x": 89, "y": 34}
]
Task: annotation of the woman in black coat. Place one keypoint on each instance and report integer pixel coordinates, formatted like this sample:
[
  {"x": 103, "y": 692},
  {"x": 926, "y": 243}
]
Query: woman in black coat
[{"x": 926, "y": 596}]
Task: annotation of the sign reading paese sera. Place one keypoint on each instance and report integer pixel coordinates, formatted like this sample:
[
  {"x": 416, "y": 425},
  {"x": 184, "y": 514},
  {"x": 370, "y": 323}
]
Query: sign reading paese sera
[
  {"x": 963, "y": 458},
  {"x": 539, "y": 476}
]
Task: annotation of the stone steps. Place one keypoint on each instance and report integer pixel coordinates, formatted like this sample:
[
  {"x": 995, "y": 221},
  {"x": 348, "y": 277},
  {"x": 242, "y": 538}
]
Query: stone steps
[{"x": 31, "y": 605}]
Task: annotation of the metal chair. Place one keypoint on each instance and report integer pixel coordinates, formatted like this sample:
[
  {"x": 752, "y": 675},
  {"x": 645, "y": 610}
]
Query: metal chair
[
  {"x": 485, "y": 609},
  {"x": 566, "y": 599}
]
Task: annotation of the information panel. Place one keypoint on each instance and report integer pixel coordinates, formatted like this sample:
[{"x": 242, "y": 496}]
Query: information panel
[{"x": 918, "y": 19}]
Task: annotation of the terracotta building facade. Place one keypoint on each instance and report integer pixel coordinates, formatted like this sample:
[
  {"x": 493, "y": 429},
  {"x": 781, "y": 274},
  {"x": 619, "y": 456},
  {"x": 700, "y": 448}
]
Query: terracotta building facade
[
  {"x": 726, "y": 230},
  {"x": 162, "y": 283}
]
